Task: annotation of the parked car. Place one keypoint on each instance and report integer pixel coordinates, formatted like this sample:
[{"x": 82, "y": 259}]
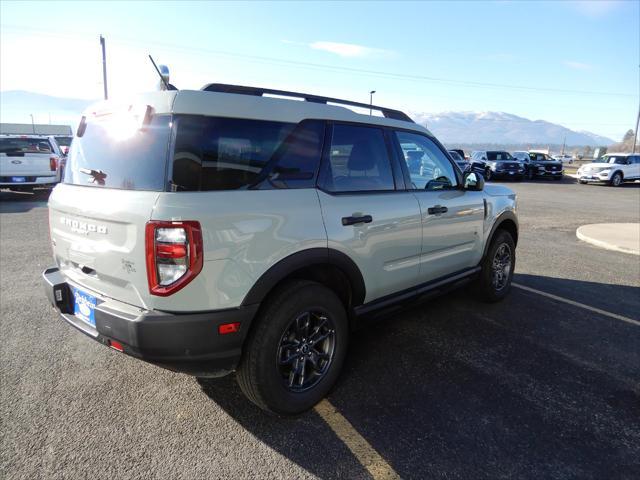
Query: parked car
[
  {"x": 29, "y": 162},
  {"x": 460, "y": 152},
  {"x": 613, "y": 168},
  {"x": 497, "y": 164},
  {"x": 460, "y": 161},
  {"x": 542, "y": 165},
  {"x": 262, "y": 233},
  {"x": 563, "y": 158}
]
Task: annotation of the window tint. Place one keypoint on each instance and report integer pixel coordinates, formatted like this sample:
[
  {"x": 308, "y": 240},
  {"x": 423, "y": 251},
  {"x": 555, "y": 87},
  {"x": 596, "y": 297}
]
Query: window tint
[
  {"x": 24, "y": 145},
  {"x": 428, "y": 166},
  {"x": 224, "y": 153},
  {"x": 358, "y": 160},
  {"x": 498, "y": 156}
]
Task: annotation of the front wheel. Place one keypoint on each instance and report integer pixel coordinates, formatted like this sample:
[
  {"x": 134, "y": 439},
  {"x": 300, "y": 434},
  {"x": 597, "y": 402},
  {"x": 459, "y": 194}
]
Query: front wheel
[
  {"x": 487, "y": 174},
  {"x": 295, "y": 350},
  {"x": 616, "y": 180},
  {"x": 494, "y": 281}
]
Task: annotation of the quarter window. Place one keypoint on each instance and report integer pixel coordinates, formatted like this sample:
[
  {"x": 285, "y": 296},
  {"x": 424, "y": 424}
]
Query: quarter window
[
  {"x": 428, "y": 166},
  {"x": 358, "y": 160}
]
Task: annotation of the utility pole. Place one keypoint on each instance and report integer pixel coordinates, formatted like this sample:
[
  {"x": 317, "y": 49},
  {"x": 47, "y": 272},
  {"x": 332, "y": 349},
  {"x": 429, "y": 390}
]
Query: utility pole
[
  {"x": 104, "y": 67},
  {"x": 635, "y": 140},
  {"x": 33, "y": 124},
  {"x": 371, "y": 100}
]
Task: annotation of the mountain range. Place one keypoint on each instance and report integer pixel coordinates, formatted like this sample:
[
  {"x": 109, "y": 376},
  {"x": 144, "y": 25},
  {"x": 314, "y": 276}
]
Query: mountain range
[{"x": 451, "y": 128}]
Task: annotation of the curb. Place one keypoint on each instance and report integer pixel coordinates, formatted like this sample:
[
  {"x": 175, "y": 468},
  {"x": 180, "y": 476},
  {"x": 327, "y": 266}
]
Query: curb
[{"x": 604, "y": 244}]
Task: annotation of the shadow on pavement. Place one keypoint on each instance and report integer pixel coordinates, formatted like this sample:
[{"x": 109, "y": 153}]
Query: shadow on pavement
[
  {"x": 20, "y": 202},
  {"x": 527, "y": 388}
]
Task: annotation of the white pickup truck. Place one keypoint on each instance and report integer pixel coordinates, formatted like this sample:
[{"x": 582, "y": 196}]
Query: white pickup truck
[{"x": 28, "y": 162}]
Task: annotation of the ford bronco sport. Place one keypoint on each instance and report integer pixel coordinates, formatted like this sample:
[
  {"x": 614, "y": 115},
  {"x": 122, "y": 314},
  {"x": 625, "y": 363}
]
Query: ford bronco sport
[{"x": 225, "y": 230}]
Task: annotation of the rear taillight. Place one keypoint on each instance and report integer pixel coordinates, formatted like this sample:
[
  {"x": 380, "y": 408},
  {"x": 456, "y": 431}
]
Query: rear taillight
[
  {"x": 174, "y": 255},
  {"x": 53, "y": 163}
]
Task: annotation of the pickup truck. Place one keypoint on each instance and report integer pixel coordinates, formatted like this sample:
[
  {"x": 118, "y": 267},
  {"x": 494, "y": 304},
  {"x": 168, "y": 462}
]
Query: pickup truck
[{"x": 29, "y": 162}]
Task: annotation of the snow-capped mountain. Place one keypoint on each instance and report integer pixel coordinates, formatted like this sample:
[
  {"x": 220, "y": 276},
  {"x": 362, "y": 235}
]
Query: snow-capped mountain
[{"x": 502, "y": 128}]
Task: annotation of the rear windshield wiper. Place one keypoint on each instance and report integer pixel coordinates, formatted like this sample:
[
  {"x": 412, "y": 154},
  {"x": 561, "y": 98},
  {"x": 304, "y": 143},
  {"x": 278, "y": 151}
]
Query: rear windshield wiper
[{"x": 98, "y": 176}]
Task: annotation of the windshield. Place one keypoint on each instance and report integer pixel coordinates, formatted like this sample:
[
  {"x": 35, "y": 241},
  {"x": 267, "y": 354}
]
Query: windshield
[
  {"x": 617, "y": 159},
  {"x": 499, "y": 156},
  {"x": 111, "y": 155},
  {"x": 25, "y": 145}
]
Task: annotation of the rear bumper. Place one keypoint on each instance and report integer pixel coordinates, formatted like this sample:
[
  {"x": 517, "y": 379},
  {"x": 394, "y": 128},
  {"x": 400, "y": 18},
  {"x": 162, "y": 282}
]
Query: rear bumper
[
  {"x": 182, "y": 342},
  {"x": 30, "y": 181}
]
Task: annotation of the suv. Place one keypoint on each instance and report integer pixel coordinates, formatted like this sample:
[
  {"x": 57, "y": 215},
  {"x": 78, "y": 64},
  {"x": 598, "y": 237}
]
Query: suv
[
  {"x": 497, "y": 164},
  {"x": 542, "y": 165},
  {"x": 613, "y": 168},
  {"x": 28, "y": 162},
  {"x": 221, "y": 230}
]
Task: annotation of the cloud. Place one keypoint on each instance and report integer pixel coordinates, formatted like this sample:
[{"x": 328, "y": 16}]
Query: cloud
[
  {"x": 349, "y": 50},
  {"x": 578, "y": 65}
]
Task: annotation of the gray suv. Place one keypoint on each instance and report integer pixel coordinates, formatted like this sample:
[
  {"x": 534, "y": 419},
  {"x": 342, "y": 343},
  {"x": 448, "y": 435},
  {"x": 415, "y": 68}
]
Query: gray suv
[{"x": 223, "y": 230}]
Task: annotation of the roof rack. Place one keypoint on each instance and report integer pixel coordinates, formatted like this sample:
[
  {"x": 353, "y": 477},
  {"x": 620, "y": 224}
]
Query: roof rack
[{"x": 259, "y": 92}]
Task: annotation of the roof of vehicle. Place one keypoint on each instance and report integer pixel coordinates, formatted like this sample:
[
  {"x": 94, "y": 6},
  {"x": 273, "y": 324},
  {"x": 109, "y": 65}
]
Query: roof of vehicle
[
  {"x": 24, "y": 135},
  {"x": 256, "y": 107},
  {"x": 614, "y": 154}
]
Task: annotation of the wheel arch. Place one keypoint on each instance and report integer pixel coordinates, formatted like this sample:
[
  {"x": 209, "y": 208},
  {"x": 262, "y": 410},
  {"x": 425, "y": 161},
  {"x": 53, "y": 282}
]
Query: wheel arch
[
  {"x": 326, "y": 266},
  {"x": 505, "y": 221}
]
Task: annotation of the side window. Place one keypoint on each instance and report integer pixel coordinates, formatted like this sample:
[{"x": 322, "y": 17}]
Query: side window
[
  {"x": 298, "y": 162},
  {"x": 223, "y": 153},
  {"x": 358, "y": 160},
  {"x": 428, "y": 166}
]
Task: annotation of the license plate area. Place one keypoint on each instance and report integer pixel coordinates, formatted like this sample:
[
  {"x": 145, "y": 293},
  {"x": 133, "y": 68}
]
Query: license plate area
[
  {"x": 18, "y": 179},
  {"x": 84, "y": 306}
]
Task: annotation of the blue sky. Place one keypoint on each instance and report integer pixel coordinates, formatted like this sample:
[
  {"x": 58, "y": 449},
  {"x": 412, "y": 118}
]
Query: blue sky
[{"x": 573, "y": 63}]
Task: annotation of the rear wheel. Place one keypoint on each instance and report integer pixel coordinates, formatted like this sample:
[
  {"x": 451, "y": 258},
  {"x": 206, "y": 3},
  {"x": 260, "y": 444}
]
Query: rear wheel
[
  {"x": 295, "y": 351},
  {"x": 616, "y": 180},
  {"x": 498, "y": 264}
]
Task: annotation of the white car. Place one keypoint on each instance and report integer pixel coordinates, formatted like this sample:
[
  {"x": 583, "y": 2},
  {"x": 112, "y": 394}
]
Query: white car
[
  {"x": 28, "y": 162},
  {"x": 563, "y": 158},
  {"x": 613, "y": 168}
]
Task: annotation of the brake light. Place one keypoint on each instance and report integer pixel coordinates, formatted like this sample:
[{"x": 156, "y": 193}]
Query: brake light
[
  {"x": 174, "y": 255},
  {"x": 53, "y": 163}
]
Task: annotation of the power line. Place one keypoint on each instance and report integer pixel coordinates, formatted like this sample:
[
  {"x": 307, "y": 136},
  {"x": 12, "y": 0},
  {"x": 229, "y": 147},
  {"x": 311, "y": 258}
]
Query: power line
[{"x": 377, "y": 73}]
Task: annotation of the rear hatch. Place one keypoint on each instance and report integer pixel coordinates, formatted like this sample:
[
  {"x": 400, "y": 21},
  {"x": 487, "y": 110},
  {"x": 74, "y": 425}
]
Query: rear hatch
[
  {"x": 26, "y": 157},
  {"x": 98, "y": 215}
]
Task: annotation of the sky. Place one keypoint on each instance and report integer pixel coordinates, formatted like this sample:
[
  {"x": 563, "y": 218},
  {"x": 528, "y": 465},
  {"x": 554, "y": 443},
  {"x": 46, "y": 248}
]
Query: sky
[{"x": 572, "y": 63}]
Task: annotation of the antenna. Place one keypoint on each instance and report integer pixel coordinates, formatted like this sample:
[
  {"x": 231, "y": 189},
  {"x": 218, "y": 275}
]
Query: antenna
[{"x": 162, "y": 79}]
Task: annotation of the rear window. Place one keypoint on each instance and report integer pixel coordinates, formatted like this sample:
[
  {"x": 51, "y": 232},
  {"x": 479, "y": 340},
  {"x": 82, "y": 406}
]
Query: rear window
[
  {"x": 21, "y": 145},
  {"x": 117, "y": 155},
  {"x": 64, "y": 141},
  {"x": 230, "y": 154}
]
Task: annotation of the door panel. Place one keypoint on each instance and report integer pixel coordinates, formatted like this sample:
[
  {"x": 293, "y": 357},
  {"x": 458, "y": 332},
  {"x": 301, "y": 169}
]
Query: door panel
[
  {"x": 451, "y": 241},
  {"x": 386, "y": 249}
]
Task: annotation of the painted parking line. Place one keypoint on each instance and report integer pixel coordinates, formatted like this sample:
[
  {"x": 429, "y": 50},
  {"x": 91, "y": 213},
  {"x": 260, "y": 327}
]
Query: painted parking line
[
  {"x": 377, "y": 467},
  {"x": 579, "y": 305}
]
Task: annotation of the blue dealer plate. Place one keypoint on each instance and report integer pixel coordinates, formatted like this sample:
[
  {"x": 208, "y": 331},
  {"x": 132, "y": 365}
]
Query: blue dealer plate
[
  {"x": 18, "y": 179},
  {"x": 84, "y": 306}
]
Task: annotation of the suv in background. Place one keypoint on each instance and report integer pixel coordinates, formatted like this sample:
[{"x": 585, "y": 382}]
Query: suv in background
[
  {"x": 542, "y": 165},
  {"x": 221, "y": 230},
  {"x": 497, "y": 164},
  {"x": 29, "y": 162},
  {"x": 613, "y": 168}
]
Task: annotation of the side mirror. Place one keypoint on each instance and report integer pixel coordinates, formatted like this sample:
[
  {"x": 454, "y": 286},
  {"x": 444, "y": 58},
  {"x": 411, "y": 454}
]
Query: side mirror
[{"x": 473, "y": 181}]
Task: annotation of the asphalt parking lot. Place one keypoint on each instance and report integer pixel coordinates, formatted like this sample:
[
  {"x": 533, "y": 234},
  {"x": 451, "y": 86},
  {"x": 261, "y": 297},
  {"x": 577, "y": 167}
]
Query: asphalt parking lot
[{"x": 532, "y": 387}]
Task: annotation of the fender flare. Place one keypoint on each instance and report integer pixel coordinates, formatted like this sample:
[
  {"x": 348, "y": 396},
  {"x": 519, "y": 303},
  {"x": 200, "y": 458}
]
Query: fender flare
[
  {"x": 303, "y": 259},
  {"x": 506, "y": 215}
]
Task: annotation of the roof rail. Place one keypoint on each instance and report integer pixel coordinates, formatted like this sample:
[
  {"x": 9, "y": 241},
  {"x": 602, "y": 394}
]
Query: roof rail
[{"x": 259, "y": 92}]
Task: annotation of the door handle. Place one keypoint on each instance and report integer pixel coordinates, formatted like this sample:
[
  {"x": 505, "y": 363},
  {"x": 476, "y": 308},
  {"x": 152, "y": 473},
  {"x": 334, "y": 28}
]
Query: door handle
[
  {"x": 437, "y": 210},
  {"x": 354, "y": 220}
]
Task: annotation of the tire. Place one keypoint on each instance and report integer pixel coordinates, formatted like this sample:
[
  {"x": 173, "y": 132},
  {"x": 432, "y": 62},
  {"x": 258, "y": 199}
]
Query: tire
[
  {"x": 262, "y": 374},
  {"x": 616, "y": 180},
  {"x": 486, "y": 288},
  {"x": 529, "y": 174},
  {"x": 582, "y": 182},
  {"x": 487, "y": 174},
  {"x": 557, "y": 178}
]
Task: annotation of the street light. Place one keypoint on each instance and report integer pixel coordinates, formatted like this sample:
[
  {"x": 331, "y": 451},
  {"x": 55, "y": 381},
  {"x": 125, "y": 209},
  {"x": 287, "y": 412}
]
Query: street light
[{"x": 371, "y": 100}]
